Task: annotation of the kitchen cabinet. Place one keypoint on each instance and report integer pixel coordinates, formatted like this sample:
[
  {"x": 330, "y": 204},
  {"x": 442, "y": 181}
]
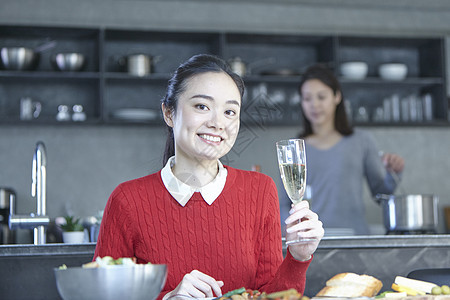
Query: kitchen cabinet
[
  {"x": 406, "y": 99},
  {"x": 274, "y": 62},
  {"x": 167, "y": 50},
  {"x": 46, "y": 86}
]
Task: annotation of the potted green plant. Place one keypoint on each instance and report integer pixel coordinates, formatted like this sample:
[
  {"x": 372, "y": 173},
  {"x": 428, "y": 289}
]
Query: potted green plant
[{"x": 73, "y": 230}]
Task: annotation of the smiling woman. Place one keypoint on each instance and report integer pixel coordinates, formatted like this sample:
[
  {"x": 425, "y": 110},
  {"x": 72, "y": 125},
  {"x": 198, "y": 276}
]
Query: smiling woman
[
  {"x": 340, "y": 156},
  {"x": 194, "y": 81},
  {"x": 216, "y": 227},
  {"x": 205, "y": 122}
]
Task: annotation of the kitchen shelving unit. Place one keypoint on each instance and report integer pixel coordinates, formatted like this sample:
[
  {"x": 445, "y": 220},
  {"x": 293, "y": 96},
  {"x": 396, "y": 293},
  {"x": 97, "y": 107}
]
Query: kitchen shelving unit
[
  {"x": 104, "y": 87},
  {"x": 424, "y": 58},
  {"x": 45, "y": 85}
]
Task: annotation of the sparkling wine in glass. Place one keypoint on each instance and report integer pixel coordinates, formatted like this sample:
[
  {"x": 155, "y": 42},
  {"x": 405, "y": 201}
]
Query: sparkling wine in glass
[{"x": 292, "y": 162}]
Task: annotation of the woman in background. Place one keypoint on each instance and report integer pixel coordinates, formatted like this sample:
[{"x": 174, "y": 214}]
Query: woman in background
[
  {"x": 216, "y": 227},
  {"x": 339, "y": 157}
]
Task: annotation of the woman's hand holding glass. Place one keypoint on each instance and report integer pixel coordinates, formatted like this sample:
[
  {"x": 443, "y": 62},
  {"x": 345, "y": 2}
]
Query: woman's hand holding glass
[
  {"x": 292, "y": 162},
  {"x": 303, "y": 223},
  {"x": 196, "y": 285}
]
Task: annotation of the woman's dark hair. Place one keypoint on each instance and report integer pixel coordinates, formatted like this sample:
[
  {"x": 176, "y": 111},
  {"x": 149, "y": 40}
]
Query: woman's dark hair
[
  {"x": 326, "y": 76},
  {"x": 198, "y": 64}
]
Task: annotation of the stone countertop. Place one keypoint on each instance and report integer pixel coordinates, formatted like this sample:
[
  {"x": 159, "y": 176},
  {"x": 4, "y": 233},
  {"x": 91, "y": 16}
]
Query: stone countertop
[
  {"x": 341, "y": 242},
  {"x": 383, "y": 257},
  {"x": 385, "y": 241},
  {"x": 46, "y": 250}
]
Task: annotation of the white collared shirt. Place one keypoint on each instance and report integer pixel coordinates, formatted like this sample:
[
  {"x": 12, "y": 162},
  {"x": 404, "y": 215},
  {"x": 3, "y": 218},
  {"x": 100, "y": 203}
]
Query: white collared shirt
[{"x": 183, "y": 192}]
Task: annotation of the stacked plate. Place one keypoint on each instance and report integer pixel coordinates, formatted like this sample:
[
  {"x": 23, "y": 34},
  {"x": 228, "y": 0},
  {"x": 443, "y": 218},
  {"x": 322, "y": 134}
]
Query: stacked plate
[
  {"x": 135, "y": 114},
  {"x": 339, "y": 231}
]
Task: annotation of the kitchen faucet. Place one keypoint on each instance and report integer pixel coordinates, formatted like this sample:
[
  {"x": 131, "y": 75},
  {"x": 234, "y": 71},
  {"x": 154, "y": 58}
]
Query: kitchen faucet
[
  {"x": 37, "y": 221},
  {"x": 38, "y": 188}
]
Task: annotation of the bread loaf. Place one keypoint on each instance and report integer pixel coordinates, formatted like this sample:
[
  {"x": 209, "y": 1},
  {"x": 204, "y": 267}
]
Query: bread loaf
[{"x": 351, "y": 285}]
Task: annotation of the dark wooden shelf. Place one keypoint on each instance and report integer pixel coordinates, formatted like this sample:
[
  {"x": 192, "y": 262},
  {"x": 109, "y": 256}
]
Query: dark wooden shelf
[
  {"x": 126, "y": 76},
  {"x": 48, "y": 75},
  {"x": 381, "y": 81},
  {"x": 104, "y": 87}
]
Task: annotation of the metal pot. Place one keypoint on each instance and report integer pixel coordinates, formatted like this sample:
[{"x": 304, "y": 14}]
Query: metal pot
[
  {"x": 242, "y": 68},
  {"x": 23, "y": 58},
  {"x": 69, "y": 62},
  {"x": 19, "y": 58},
  {"x": 409, "y": 212},
  {"x": 238, "y": 66},
  {"x": 139, "y": 64}
]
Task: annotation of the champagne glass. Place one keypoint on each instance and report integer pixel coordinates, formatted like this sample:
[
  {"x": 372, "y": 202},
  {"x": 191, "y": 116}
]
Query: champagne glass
[{"x": 292, "y": 161}]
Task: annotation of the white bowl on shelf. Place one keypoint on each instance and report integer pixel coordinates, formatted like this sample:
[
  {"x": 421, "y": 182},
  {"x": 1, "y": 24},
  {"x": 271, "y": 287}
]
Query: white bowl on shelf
[
  {"x": 354, "y": 70},
  {"x": 393, "y": 71}
]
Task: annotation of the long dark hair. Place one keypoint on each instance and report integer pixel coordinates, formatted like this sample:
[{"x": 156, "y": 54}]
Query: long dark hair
[
  {"x": 326, "y": 76},
  {"x": 198, "y": 64}
]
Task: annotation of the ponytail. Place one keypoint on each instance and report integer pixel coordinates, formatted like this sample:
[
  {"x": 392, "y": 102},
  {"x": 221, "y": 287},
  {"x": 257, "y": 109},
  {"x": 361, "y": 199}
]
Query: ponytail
[{"x": 169, "y": 151}]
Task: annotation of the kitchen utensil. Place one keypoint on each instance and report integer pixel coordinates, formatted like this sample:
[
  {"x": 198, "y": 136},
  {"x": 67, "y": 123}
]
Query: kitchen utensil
[
  {"x": 378, "y": 114},
  {"x": 135, "y": 114},
  {"x": 238, "y": 66},
  {"x": 403, "y": 213},
  {"x": 138, "y": 64},
  {"x": 7, "y": 208},
  {"x": 29, "y": 109},
  {"x": 92, "y": 224},
  {"x": 395, "y": 101},
  {"x": 68, "y": 62},
  {"x": 354, "y": 70},
  {"x": 427, "y": 101},
  {"x": 404, "y": 109},
  {"x": 116, "y": 282},
  {"x": 242, "y": 68},
  {"x": 63, "y": 113},
  {"x": 362, "y": 115},
  {"x": 394, "y": 175},
  {"x": 393, "y": 71},
  {"x": 397, "y": 180},
  {"x": 45, "y": 46},
  {"x": 78, "y": 114},
  {"x": 19, "y": 58}
]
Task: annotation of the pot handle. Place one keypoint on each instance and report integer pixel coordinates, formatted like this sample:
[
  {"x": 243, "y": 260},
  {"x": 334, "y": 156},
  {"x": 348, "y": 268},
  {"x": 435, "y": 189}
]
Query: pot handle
[
  {"x": 381, "y": 197},
  {"x": 116, "y": 59}
]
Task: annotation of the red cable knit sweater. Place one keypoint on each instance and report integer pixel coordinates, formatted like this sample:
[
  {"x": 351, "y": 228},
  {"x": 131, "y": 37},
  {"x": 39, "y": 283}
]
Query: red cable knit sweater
[{"x": 237, "y": 239}]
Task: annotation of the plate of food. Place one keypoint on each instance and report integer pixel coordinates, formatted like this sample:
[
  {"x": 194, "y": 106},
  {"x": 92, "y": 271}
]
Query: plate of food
[{"x": 249, "y": 294}]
